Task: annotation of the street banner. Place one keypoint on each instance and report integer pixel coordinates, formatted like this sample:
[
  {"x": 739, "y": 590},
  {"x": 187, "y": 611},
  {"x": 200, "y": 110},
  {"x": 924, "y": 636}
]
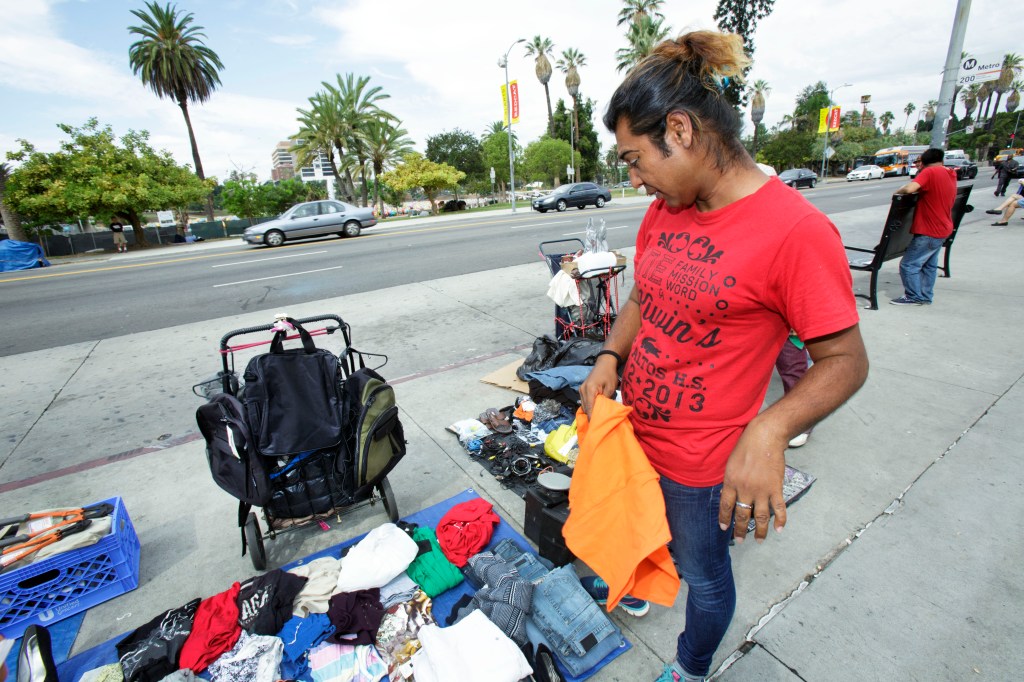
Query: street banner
[
  {"x": 822, "y": 120},
  {"x": 833, "y": 119},
  {"x": 514, "y": 87}
]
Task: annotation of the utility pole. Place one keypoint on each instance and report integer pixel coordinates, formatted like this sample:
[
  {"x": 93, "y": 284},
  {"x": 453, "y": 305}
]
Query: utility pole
[
  {"x": 503, "y": 62},
  {"x": 949, "y": 74}
]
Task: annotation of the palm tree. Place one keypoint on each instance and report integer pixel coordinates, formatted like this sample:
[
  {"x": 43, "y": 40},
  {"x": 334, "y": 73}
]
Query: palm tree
[
  {"x": 634, "y": 10},
  {"x": 1013, "y": 101},
  {"x": 759, "y": 90},
  {"x": 1012, "y": 64},
  {"x": 319, "y": 127},
  {"x": 12, "y": 221},
  {"x": 540, "y": 48},
  {"x": 969, "y": 96},
  {"x": 985, "y": 99},
  {"x": 885, "y": 120},
  {"x": 499, "y": 127},
  {"x": 643, "y": 36},
  {"x": 569, "y": 64},
  {"x": 171, "y": 58},
  {"x": 908, "y": 110},
  {"x": 957, "y": 88},
  {"x": 386, "y": 144}
]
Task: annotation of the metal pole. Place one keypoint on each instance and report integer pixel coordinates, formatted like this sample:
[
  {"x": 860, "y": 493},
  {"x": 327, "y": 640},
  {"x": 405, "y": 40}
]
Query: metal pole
[
  {"x": 824, "y": 147},
  {"x": 508, "y": 114},
  {"x": 956, "y": 44}
]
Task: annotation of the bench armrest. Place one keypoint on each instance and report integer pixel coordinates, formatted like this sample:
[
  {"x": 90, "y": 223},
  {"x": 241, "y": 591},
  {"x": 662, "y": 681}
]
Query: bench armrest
[{"x": 854, "y": 248}]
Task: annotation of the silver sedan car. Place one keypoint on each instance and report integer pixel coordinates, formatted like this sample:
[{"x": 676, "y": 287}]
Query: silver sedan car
[{"x": 312, "y": 219}]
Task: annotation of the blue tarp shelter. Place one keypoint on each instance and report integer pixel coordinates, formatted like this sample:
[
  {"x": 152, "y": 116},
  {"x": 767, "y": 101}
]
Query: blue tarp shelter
[{"x": 21, "y": 256}]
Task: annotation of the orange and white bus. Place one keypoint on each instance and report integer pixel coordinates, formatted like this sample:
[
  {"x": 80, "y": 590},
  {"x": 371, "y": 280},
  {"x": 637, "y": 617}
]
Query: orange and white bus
[{"x": 898, "y": 160}]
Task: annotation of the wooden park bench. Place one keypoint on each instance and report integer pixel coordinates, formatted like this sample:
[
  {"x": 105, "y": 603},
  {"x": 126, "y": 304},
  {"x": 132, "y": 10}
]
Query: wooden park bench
[{"x": 896, "y": 238}]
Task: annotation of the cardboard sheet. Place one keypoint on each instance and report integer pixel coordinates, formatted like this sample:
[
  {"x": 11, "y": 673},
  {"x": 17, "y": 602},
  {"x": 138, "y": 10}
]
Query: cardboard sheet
[{"x": 506, "y": 378}]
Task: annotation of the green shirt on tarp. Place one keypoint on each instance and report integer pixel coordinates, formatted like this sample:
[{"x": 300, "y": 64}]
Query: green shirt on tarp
[{"x": 431, "y": 570}]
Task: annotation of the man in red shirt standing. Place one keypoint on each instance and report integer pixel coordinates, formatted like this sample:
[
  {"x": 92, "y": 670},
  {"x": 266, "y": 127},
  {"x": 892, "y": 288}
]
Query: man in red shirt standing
[{"x": 933, "y": 222}]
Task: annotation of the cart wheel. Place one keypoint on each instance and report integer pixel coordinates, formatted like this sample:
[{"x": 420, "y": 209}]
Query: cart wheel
[
  {"x": 254, "y": 539},
  {"x": 388, "y": 497}
]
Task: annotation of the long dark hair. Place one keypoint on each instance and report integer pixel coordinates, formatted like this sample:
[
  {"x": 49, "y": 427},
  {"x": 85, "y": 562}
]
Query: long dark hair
[{"x": 685, "y": 75}]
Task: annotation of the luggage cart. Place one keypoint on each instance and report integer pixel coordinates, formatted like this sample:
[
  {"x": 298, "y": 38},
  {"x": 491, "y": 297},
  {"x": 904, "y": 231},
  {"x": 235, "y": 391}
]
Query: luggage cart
[
  {"x": 307, "y": 488},
  {"x": 598, "y": 291}
]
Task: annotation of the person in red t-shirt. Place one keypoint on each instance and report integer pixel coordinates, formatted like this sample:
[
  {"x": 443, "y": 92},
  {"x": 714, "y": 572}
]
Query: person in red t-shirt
[
  {"x": 933, "y": 222},
  {"x": 727, "y": 261}
]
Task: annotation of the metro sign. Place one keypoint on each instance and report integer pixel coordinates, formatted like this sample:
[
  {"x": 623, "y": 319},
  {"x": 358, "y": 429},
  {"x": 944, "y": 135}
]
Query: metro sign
[{"x": 974, "y": 70}]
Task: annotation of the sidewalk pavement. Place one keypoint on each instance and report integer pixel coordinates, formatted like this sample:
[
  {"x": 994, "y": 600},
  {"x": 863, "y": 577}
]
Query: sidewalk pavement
[{"x": 899, "y": 563}]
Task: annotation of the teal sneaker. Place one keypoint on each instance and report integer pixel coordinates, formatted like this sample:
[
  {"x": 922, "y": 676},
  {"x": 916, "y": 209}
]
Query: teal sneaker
[
  {"x": 598, "y": 590},
  {"x": 673, "y": 673}
]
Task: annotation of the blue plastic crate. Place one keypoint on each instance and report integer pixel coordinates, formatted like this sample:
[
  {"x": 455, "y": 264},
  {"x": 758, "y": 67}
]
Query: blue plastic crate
[{"x": 62, "y": 585}]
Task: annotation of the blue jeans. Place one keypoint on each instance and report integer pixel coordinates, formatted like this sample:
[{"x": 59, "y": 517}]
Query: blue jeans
[
  {"x": 701, "y": 550},
  {"x": 570, "y": 623},
  {"x": 919, "y": 266}
]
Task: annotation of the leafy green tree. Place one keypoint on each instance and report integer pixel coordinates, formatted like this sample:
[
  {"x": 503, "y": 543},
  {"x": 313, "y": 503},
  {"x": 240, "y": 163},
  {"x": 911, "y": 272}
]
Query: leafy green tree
[
  {"x": 809, "y": 102},
  {"x": 277, "y": 197},
  {"x": 741, "y": 17},
  {"x": 12, "y": 221},
  {"x": 418, "y": 172},
  {"x": 789, "y": 148},
  {"x": 171, "y": 58},
  {"x": 96, "y": 174},
  {"x": 546, "y": 159},
  {"x": 494, "y": 150},
  {"x": 540, "y": 49},
  {"x": 242, "y": 197},
  {"x": 459, "y": 149},
  {"x": 759, "y": 90},
  {"x": 588, "y": 147}
]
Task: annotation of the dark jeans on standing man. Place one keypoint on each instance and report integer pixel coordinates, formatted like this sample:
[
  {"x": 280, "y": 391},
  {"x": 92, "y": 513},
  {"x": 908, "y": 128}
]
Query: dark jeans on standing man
[
  {"x": 701, "y": 550},
  {"x": 919, "y": 267}
]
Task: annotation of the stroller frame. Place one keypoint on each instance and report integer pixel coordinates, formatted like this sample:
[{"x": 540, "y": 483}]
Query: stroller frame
[{"x": 227, "y": 381}]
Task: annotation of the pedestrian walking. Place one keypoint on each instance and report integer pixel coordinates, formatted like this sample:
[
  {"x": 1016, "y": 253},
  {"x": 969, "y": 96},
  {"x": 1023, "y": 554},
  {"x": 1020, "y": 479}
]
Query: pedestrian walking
[{"x": 720, "y": 278}]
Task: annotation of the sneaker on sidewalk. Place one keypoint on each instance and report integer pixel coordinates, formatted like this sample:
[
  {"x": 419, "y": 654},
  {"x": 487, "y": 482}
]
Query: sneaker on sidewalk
[
  {"x": 799, "y": 441},
  {"x": 903, "y": 300},
  {"x": 598, "y": 590},
  {"x": 673, "y": 673}
]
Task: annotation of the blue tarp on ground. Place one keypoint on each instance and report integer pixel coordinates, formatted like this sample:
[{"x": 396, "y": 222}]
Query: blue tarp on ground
[{"x": 21, "y": 256}]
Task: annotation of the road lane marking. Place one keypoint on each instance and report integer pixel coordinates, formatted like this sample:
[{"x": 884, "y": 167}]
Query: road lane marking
[
  {"x": 859, "y": 196},
  {"x": 557, "y": 222},
  {"x": 617, "y": 227},
  {"x": 290, "y": 274},
  {"x": 260, "y": 260}
]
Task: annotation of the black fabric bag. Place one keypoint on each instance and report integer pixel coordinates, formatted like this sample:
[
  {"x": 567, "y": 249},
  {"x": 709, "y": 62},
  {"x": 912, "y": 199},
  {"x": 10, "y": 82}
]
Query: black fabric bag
[
  {"x": 548, "y": 352},
  {"x": 375, "y": 440},
  {"x": 235, "y": 466},
  {"x": 291, "y": 398}
]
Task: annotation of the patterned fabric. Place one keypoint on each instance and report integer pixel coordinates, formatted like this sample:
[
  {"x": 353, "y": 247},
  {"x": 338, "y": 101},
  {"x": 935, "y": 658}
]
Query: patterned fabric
[
  {"x": 344, "y": 663},
  {"x": 396, "y": 637},
  {"x": 254, "y": 658}
]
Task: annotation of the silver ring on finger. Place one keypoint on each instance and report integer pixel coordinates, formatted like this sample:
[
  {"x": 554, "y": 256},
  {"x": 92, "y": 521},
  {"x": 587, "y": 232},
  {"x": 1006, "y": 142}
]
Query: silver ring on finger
[{"x": 744, "y": 505}]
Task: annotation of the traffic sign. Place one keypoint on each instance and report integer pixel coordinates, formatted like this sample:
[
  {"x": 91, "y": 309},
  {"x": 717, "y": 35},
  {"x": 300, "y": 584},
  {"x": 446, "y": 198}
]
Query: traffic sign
[
  {"x": 979, "y": 70},
  {"x": 969, "y": 129}
]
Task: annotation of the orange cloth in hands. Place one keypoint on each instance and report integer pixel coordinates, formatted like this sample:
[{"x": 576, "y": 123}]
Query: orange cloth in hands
[{"x": 617, "y": 523}]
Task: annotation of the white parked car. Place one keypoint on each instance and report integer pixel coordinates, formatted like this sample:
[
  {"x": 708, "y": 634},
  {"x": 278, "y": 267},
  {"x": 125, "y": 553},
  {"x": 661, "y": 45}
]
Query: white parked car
[{"x": 865, "y": 173}]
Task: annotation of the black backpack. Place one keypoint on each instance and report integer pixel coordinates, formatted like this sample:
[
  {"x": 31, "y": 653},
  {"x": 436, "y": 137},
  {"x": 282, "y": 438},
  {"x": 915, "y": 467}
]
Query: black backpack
[
  {"x": 291, "y": 398},
  {"x": 375, "y": 438},
  {"x": 234, "y": 463}
]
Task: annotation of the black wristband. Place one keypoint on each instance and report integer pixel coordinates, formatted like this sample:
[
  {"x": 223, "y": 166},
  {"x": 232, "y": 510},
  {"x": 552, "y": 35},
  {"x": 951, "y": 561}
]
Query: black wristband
[{"x": 618, "y": 358}]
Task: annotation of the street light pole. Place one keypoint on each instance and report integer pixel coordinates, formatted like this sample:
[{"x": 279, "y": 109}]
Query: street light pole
[
  {"x": 824, "y": 146},
  {"x": 503, "y": 62}
]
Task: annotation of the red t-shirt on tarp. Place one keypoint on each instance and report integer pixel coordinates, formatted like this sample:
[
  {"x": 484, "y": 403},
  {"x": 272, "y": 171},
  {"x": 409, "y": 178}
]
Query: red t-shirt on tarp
[
  {"x": 934, "y": 213},
  {"x": 719, "y": 292}
]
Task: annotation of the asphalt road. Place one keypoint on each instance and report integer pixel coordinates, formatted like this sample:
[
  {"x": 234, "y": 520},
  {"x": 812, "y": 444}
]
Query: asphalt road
[{"x": 87, "y": 301}]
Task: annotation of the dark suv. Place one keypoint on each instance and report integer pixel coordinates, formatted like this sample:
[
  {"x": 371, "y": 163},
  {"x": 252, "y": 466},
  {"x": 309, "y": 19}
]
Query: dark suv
[
  {"x": 578, "y": 194},
  {"x": 965, "y": 168}
]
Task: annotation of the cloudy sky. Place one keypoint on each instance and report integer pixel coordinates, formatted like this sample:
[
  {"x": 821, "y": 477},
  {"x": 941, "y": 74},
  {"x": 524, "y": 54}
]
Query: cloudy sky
[{"x": 63, "y": 61}]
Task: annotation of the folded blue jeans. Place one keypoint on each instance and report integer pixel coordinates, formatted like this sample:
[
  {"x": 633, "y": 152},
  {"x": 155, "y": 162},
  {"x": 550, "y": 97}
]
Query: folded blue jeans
[
  {"x": 570, "y": 623},
  {"x": 529, "y": 566}
]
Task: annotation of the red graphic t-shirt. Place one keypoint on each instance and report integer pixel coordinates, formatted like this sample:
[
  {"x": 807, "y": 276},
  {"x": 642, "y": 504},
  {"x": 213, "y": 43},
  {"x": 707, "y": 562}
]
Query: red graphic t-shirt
[
  {"x": 719, "y": 292},
  {"x": 934, "y": 213}
]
